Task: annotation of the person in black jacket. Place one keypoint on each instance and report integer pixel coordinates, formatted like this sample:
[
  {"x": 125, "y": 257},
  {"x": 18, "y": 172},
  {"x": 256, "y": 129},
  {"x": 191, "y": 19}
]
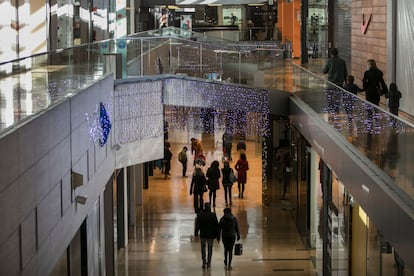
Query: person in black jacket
[
  {"x": 227, "y": 184},
  {"x": 207, "y": 225},
  {"x": 213, "y": 175},
  {"x": 229, "y": 231},
  {"x": 393, "y": 96},
  {"x": 167, "y": 159},
  {"x": 198, "y": 185},
  {"x": 373, "y": 83}
]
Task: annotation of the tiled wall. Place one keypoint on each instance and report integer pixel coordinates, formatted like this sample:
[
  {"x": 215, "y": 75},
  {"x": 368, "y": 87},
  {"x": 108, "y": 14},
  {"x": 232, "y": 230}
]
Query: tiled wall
[{"x": 372, "y": 44}]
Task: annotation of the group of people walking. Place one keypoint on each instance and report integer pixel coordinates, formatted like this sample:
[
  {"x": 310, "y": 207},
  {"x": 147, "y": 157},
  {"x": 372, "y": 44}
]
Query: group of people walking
[
  {"x": 210, "y": 182},
  {"x": 207, "y": 226},
  {"x": 373, "y": 82}
]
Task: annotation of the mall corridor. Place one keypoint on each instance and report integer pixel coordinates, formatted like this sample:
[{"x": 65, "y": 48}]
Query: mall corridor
[{"x": 163, "y": 242}]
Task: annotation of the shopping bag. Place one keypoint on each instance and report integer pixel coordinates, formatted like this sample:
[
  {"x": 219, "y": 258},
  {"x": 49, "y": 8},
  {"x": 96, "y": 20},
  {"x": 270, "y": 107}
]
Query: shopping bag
[{"x": 238, "y": 249}]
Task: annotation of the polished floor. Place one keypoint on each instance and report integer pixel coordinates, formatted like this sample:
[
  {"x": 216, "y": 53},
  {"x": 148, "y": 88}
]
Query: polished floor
[{"x": 163, "y": 242}]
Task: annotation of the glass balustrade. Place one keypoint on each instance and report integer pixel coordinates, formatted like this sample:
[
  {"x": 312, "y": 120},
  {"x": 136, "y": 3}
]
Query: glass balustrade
[
  {"x": 32, "y": 84},
  {"x": 379, "y": 135}
]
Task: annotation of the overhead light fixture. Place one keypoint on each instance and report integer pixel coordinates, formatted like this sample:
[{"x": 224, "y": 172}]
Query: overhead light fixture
[
  {"x": 81, "y": 199},
  {"x": 256, "y": 5}
]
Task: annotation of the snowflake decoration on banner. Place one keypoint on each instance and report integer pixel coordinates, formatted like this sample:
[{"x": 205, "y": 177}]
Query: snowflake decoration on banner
[{"x": 99, "y": 125}]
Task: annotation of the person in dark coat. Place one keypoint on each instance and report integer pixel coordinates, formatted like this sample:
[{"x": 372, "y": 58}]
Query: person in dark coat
[
  {"x": 227, "y": 144},
  {"x": 242, "y": 166},
  {"x": 182, "y": 157},
  {"x": 373, "y": 83},
  {"x": 351, "y": 86},
  {"x": 227, "y": 184},
  {"x": 241, "y": 145},
  {"x": 229, "y": 231},
  {"x": 207, "y": 225},
  {"x": 349, "y": 99},
  {"x": 336, "y": 69},
  {"x": 213, "y": 175},
  {"x": 167, "y": 159},
  {"x": 394, "y": 97},
  {"x": 198, "y": 183}
]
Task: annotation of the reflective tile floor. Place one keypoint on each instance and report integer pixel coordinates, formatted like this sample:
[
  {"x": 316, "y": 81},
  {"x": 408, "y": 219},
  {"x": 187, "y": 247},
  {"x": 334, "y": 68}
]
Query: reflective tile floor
[{"x": 163, "y": 242}]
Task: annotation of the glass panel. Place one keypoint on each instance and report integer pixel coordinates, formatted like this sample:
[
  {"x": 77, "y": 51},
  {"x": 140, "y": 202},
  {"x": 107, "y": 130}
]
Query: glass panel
[
  {"x": 377, "y": 134},
  {"x": 30, "y": 85}
]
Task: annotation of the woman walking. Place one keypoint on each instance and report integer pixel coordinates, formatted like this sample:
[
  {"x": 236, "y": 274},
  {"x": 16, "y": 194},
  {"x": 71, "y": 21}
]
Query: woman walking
[
  {"x": 198, "y": 184},
  {"x": 373, "y": 83},
  {"x": 242, "y": 166},
  {"x": 229, "y": 231},
  {"x": 227, "y": 184},
  {"x": 213, "y": 175}
]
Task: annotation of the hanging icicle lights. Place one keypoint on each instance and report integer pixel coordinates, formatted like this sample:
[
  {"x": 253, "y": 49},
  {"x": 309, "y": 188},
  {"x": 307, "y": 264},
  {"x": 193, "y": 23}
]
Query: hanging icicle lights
[{"x": 139, "y": 107}]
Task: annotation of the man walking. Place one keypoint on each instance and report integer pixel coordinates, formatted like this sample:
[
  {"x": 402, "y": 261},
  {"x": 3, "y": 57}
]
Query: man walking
[
  {"x": 336, "y": 69},
  {"x": 207, "y": 224}
]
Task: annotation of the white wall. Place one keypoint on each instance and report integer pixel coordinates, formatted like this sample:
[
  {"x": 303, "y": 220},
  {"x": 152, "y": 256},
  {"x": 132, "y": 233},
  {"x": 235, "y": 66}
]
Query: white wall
[{"x": 39, "y": 217}]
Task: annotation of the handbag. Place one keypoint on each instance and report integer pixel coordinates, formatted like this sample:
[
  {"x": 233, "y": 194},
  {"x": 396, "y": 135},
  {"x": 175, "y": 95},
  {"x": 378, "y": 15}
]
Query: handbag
[
  {"x": 232, "y": 177},
  {"x": 238, "y": 249}
]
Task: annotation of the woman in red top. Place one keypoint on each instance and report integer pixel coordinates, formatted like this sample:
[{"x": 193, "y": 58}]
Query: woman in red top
[{"x": 242, "y": 166}]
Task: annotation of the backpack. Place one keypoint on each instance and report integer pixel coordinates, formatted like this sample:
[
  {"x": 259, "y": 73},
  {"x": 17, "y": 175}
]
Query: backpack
[{"x": 181, "y": 156}]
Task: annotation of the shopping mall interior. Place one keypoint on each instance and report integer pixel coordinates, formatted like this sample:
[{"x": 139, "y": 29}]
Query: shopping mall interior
[{"x": 91, "y": 97}]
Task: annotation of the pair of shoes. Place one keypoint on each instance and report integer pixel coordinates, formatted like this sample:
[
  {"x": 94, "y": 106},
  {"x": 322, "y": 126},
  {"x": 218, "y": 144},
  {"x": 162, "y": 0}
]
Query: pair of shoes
[
  {"x": 204, "y": 266},
  {"x": 231, "y": 203},
  {"x": 227, "y": 204},
  {"x": 208, "y": 265},
  {"x": 214, "y": 204},
  {"x": 229, "y": 267},
  {"x": 239, "y": 195}
]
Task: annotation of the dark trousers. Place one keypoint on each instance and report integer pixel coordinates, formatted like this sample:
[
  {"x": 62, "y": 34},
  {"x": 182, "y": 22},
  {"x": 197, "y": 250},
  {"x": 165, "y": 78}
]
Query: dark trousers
[
  {"x": 184, "y": 167},
  {"x": 209, "y": 243},
  {"x": 198, "y": 202},
  {"x": 167, "y": 164},
  {"x": 212, "y": 196},
  {"x": 228, "y": 243}
]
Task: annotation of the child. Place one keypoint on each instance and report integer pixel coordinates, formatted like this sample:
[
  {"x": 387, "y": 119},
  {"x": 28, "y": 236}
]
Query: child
[
  {"x": 182, "y": 157},
  {"x": 351, "y": 86},
  {"x": 393, "y": 96},
  {"x": 349, "y": 99}
]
